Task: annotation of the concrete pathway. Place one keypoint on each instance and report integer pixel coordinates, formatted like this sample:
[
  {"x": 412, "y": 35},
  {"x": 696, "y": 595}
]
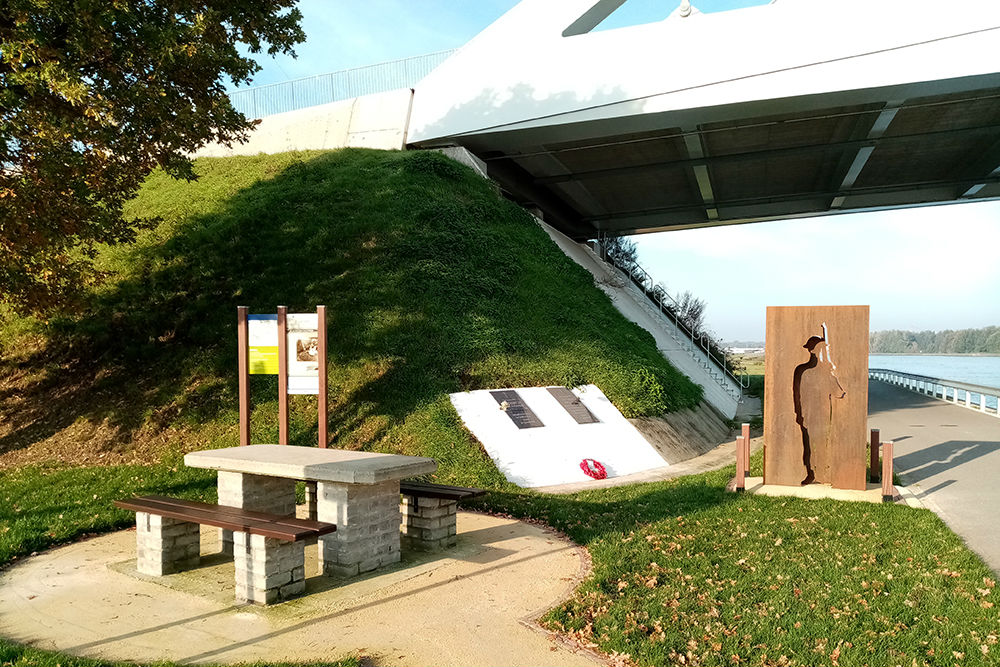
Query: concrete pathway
[
  {"x": 949, "y": 456},
  {"x": 474, "y": 605}
]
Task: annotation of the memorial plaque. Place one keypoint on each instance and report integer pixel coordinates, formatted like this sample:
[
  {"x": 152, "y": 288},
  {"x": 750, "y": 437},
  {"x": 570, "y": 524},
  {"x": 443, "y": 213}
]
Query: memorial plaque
[
  {"x": 572, "y": 404},
  {"x": 517, "y": 409},
  {"x": 816, "y": 396}
]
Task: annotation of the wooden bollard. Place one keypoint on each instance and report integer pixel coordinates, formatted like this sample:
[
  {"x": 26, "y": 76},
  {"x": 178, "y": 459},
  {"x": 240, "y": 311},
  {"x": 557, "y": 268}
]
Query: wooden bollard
[
  {"x": 741, "y": 466},
  {"x": 873, "y": 467},
  {"x": 888, "y": 490},
  {"x": 746, "y": 448}
]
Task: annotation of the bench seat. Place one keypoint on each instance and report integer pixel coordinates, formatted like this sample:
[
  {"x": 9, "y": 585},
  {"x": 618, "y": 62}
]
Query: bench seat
[
  {"x": 268, "y": 549},
  {"x": 285, "y": 528},
  {"x": 427, "y": 490},
  {"x": 429, "y": 513}
]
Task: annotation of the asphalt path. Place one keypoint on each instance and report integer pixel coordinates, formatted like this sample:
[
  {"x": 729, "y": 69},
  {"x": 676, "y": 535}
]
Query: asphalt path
[{"x": 949, "y": 456}]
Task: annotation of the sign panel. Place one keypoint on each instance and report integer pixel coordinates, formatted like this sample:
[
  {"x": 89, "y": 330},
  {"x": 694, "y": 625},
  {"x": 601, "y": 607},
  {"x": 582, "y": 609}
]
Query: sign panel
[
  {"x": 262, "y": 339},
  {"x": 303, "y": 353}
]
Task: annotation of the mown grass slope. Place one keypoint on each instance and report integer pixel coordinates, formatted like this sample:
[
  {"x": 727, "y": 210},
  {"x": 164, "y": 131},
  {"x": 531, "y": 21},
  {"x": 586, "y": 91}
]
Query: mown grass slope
[{"x": 433, "y": 284}]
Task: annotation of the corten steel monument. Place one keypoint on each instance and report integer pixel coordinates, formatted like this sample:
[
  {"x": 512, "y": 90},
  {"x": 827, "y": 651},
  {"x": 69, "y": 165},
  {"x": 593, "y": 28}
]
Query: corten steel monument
[{"x": 816, "y": 396}]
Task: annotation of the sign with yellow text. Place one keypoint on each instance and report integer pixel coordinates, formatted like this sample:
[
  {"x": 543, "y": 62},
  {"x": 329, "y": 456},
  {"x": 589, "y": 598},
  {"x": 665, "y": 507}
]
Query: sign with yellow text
[{"x": 262, "y": 339}]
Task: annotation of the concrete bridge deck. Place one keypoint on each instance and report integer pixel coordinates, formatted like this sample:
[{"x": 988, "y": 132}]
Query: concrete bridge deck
[{"x": 949, "y": 456}]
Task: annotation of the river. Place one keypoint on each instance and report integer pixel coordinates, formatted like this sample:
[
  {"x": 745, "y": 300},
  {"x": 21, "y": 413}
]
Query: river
[
  {"x": 984, "y": 371},
  {"x": 965, "y": 368}
]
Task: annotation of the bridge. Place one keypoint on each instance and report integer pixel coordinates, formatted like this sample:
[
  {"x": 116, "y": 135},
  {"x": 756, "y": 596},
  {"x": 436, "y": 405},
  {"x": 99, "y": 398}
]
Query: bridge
[
  {"x": 947, "y": 454},
  {"x": 795, "y": 108},
  {"x": 791, "y": 109}
]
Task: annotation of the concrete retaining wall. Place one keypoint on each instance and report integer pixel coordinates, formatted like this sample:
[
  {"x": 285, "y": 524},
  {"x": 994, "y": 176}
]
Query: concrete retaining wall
[{"x": 373, "y": 121}]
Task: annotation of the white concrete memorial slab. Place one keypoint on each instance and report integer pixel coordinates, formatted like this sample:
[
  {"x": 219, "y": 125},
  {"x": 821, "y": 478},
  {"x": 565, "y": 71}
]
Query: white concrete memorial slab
[{"x": 551, "y": 454}]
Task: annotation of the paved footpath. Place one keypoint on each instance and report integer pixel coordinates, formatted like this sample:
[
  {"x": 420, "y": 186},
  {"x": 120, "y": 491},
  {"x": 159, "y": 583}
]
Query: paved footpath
[
  {"x": 949, "y": 456},
  {"x": 472, "y": 605}
]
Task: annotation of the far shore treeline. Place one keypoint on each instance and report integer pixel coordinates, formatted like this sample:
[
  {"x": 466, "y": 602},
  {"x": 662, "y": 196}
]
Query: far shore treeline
[{"x": 960, "y": 341}]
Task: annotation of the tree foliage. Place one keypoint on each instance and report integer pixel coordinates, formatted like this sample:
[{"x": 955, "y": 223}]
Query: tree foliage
[
  {"x": 961, "y": 341},
  {"x": 691, "y": 311},
  {"x": 94, "y": 95},
  {"x": 623, "y": 251}
]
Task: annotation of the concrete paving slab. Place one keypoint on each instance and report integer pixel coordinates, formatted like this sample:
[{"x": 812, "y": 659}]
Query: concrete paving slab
[
  {"x": 471, "y": 605},
  {"x": 872, "y": 494},
  {"x": 312, "y": 463},
  {"x": 949, "y": 456}
]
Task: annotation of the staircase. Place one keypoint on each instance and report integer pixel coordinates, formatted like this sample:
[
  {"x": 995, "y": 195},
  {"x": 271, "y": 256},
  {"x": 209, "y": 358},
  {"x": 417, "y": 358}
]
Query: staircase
[
  {"x": 696, "y": 344},
  {"x": 633, "y": 296}
]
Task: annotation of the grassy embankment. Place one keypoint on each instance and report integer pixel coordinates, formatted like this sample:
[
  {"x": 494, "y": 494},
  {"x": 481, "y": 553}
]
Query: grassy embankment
[{"x": 434, "y": 284}]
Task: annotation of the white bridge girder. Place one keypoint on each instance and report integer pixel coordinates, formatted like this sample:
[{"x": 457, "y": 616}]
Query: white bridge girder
[{"x": 799, "y": 107}]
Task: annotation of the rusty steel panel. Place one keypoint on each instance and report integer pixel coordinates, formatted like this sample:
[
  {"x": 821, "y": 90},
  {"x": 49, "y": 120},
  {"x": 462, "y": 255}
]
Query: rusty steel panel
[
  {"x": 517, "y": 409},
  {"x": 816, "y": 396},
  {"x": 571, "y": 403}
]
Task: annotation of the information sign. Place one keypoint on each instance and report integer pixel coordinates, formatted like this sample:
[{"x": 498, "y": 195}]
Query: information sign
[
  {"x": 262, "y": 335},
  {"x": 303, "y": 353}
]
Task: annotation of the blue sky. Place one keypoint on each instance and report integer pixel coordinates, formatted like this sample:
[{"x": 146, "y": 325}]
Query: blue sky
[{"x": 930, "y": 268}]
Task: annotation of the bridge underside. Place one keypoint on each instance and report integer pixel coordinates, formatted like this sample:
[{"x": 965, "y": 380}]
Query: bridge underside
[
  {"x": 647, "y": 174},
  {"x": 792, "y": 109}
]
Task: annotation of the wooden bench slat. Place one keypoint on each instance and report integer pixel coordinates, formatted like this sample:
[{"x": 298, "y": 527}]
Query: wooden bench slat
[
  {"x": 229, "y": 518},
  {"x": 321, "y": 527},
  {"x": 209, "y": 518},
  {"x": 427, "y": 490}
]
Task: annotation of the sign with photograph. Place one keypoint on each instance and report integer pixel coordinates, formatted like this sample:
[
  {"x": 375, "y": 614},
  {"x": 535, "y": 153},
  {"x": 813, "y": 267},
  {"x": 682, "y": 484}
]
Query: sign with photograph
[
  {"x": 262, "y": 339},
  {"x": 303, "y": 353},
  {"x": 291, "y": 346}
]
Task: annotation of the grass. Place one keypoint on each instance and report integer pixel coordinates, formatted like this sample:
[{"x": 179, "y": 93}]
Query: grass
[
  {"x": 753, "y": 366},
  {"x": 15, "y": 655},
  {"x": 685, "y": 573},
  {"x": 434, "y": 284}
]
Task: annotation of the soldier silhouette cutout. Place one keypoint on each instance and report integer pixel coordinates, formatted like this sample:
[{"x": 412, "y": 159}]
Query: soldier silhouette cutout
[{"x": 814, "y": 388}]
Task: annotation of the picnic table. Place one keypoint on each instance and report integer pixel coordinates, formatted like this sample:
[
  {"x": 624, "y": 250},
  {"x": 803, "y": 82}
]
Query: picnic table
[
  {"x": 353, "y": 503},
  {"x": 356, "y": 491}
]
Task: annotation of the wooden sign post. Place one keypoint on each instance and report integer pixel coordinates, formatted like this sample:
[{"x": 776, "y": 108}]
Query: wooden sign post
[
  {"x": 816, "y": 396},
  {"x": 263, "y": 349}
]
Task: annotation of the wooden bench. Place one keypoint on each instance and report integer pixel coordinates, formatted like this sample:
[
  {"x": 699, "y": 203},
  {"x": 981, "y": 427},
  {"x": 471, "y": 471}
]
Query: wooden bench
[
  {"x": 428, "y": 510},
  {"x": 268, "y": 549}
]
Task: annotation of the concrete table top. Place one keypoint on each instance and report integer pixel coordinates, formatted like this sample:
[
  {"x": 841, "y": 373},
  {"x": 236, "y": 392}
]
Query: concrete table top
[{"x": 312, "y": 463}]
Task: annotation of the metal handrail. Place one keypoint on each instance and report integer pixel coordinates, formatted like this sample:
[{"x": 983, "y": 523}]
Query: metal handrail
[
  {"x": 643, "y": 280},
  {"x": 913, "y": 382},
  {"x": 345, "y": 84}
]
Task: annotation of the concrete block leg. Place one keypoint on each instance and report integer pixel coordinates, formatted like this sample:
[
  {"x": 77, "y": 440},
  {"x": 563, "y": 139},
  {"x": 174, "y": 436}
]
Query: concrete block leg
[
  {"x": 367, "y": 518},
  {"x": 165, "y": 545},
  {"x": 268, "y": 570},
  {"x": 311, "y": 504},
  {"x": 258, "y": 493},
  {"x": 429, "y": 524}
]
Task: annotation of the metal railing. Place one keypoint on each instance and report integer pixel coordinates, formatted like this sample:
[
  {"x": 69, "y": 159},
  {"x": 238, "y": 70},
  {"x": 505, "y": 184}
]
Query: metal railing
[
  {"x": 669, "y": 306},
  {"x": 335, "y": 86},
  {"x": 973, "y": 396}
]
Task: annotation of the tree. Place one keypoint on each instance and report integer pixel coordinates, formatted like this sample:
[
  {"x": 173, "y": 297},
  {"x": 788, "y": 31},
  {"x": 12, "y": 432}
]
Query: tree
[
  {"x": 96, "y": 95},
  {"x": 691, "y": 311},
  {"x": 623, "y": 251}
]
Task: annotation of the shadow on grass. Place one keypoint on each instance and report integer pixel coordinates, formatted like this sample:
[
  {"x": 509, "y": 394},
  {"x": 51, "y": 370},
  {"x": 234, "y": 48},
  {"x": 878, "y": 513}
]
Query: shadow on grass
[{"x": 426, "y": 274}]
